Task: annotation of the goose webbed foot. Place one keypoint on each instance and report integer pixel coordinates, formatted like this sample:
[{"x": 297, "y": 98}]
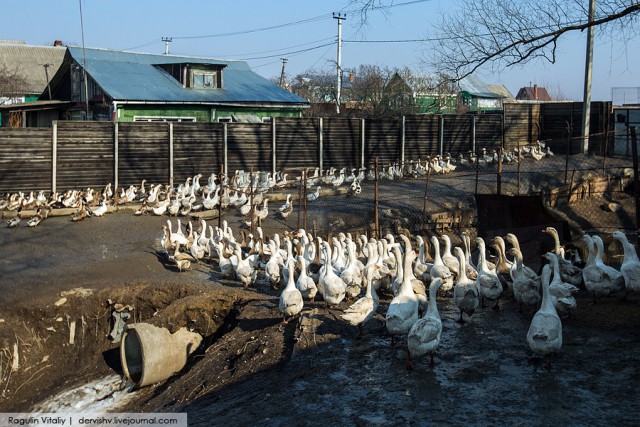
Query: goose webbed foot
[
  {"x": 496, "y": 307},
  {"x": 432, "y": 363},
  {"x": 460, "y": 320},
  {"x": 409, "y": 363}
]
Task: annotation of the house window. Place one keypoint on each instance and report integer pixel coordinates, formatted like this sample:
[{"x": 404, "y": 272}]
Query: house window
[
  {"x": 203, "y": 80},
  {"x": 224, "y": 119}
]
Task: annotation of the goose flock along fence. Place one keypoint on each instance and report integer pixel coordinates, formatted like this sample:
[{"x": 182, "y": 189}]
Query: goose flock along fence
[{"x": 426, "y": 178}]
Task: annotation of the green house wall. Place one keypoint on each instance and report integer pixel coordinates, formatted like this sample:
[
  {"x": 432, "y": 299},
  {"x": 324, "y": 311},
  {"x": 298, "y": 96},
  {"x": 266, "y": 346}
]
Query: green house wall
[{"x": 204, "y": 113}]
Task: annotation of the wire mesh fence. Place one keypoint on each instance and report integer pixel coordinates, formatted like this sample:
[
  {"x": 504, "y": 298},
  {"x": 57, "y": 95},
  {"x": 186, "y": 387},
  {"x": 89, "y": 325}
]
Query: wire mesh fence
[{"x": 437, "y": 193}]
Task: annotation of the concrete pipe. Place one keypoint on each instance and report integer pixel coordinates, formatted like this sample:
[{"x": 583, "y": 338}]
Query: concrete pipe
[{"x": 150, "y": 354}]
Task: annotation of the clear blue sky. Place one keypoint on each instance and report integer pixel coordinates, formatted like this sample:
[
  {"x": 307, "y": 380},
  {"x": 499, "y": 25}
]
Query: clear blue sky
[{"x": 301, "y": 27}]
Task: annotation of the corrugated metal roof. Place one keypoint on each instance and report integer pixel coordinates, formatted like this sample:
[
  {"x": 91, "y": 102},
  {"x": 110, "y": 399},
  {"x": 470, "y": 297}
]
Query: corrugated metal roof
[
  {"x": 28, "y": 62},
  {"x": 130, "y": 76},
  {"x": 476, "y": 87},
  {"x": 503, "y": 92}
]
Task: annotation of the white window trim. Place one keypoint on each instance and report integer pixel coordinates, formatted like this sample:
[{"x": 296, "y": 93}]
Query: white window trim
[
  {"x": 227, "y": 119},
  {"x": 164, "y": 119}
]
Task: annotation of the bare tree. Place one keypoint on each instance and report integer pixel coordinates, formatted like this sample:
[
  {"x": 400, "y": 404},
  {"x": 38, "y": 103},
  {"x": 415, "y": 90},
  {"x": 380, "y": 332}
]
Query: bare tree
[
  {"x": 502, "y": 33},
  {"x": 12, "y": 84}
]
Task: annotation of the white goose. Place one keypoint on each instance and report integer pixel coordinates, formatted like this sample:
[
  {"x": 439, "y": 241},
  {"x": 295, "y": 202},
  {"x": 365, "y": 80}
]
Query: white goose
[
  {"x": 314, "y": 196},
  {"x": 465, "y": 293},
  {"x": 244, "y": 267},
  {"x": 488, "y": 282},
  {"x": 363, "y": 310},
  {"x": 424, "y": 335},
  {"x": 561, "y": 292},
  {"x": 333, "y": 288},
  {"x": 403, "y": 308},
  {"x": 630, "y": 267},
  {"x": 545, "y": 332},
  {"x": 447, "y": 257},
  {"x": 525, "y": 289},
  {"x": 291, "y": 302},
  {"x": 569, "y": 272},
  {"x": 305, "y": 284},
  {"x": 439, "y": 270},
  {"x": 613, "y": 278}
]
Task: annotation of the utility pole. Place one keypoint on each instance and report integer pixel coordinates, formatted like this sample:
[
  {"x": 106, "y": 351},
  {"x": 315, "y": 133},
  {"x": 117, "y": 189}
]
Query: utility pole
[
  {"x": 46, "y": 73},
  {"x": 586, "y": 100},
  {"x": 166, "y": 41},
  {"x": 84, "y": 66},
  {"x": 282, "y": 76},
  {"x": 339, "y": 16}
]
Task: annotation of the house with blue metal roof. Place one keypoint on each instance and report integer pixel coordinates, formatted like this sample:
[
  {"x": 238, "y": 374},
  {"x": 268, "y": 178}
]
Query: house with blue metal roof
[{"x": 128, "y": 86}]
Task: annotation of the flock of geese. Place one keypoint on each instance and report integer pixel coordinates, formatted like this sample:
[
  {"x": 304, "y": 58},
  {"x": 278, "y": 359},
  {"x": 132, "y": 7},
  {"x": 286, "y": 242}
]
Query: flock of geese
[
  {"x": 357, "y": 269},
  {"x": 244, "y": 191}
]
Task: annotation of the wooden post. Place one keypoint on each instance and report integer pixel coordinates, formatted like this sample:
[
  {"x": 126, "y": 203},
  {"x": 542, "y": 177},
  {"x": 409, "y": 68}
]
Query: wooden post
[
  {"x": 54, "y": 158},
  {"x": 566, "y": 161},
  {"x": 362, "y": 141},
  {"x": 477, "y": 171},
  {"x": 375, "y": 201},
  {"x": 441, "y": 135},
  {"x": 116, "y": 156},
  {"x": 221, "y": 180},
  {"x": 273, "y": 147},
  {"x": 499, "y": 173},
  {"x": 225, "y": 157},
  {"x": 518, "y": 160},
  {"x": 320, "y": 143},
  {"x": 402, "y": 141},
  {"x": 426, "y": 191},
  {"x": 473, "y": 134},
  {"x": 304, "y": 199},
  {"x": 251, "y": 200},
  {"x": 636, "y": 179},
  {"x": 170, "y": 152},
  {"x": 302, "y": 178},
  {"x": 573, "y": 172}
]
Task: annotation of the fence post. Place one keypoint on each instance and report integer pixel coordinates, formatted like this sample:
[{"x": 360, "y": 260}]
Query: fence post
[
  {"x": 566, "y": 161},
  {"x": 304, "y": 199},
  {"x": 320, "y": 143},
  {"x": 636, "y": 179},
  {"x": 375, "y": 201},
  {"x": 225, "y": 158},
  {"x": 171, "y": 152},
  {"x": 499, "y": 174},
  {"x": 54, "y": 157},
  {"x": 362, "y": 137},
  {"x": 402, "y": 142},
  {"x": 424, "y": 200},
  {"x": 221, "y": 179},
  {"x": 116, "y": 155},
  {"x": 519, "y": 161},
  {"x": 473, "y": 134},
  {"x": 477, "y": 171},
  {"x": 441, "y": 135},
  {"x": 302, "y": 179},
  {"x": 273, "y": 147}
]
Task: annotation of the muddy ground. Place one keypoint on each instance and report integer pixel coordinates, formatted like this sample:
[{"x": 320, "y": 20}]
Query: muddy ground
[{"x": 252, "y": 370}]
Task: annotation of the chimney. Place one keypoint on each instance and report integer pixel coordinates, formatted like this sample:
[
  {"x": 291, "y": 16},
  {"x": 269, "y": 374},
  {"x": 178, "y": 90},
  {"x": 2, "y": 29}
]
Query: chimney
[
  {"x": 535, "y": 92},
  {"x": 58, "y": 43},
  {"x": 352, "y": 77}
]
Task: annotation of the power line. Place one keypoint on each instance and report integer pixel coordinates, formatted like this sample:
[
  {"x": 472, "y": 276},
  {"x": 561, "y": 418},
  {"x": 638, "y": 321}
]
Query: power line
[
  {"x": 291, "y": 53},
  {"x": 272, "y": 27}
]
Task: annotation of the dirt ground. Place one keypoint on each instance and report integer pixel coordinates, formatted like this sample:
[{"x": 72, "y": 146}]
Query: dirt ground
[{"x": 251, "y": 370}]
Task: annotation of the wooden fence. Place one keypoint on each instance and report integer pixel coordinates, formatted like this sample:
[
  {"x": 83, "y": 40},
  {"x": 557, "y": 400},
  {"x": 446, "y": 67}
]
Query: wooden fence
[{"x": 91, "y": 154}]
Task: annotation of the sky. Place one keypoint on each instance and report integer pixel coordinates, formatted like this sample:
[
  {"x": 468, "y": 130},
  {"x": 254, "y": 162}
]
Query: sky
[{"x": 305, "y": 32}]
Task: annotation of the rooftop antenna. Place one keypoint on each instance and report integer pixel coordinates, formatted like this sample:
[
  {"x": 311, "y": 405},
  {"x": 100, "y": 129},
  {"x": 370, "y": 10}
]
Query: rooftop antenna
[
  {"x": 166, "y": 41},
  {"x": 84, "y": 65}
]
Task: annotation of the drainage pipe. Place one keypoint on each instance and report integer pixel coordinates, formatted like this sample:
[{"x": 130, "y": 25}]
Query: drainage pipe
[{"x": 150, "y": 354}]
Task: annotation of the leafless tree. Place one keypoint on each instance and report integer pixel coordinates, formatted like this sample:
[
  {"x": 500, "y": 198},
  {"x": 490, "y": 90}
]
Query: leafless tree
[
  {"x": 500, "y": 33},
  {"x": 11, "y": 84}
]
